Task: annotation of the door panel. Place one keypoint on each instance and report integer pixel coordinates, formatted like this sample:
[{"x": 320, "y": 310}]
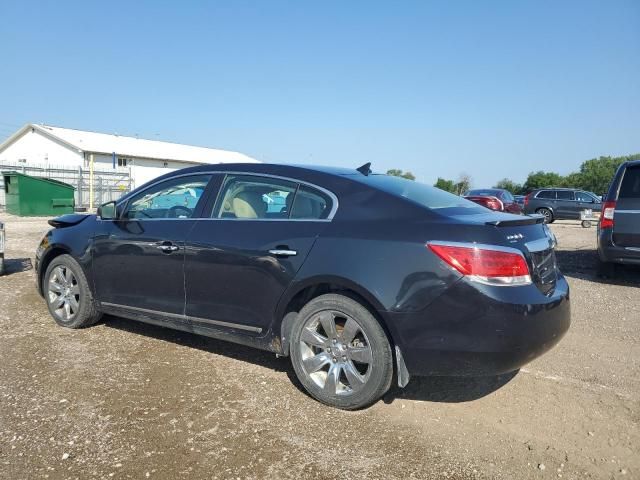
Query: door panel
[
  {"x": 140, "y": 263},
  {"x": 565, "y": 205},
  {"x": 138, "y": 260},
  {"x": 232, "y": 277}
]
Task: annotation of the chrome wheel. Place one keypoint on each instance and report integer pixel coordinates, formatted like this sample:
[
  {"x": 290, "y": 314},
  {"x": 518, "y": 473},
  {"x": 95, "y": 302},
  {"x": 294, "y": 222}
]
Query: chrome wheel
[
  {"x": 336, "y": 354},
  {"x": 63, "y": 293},
  {"x": 548, "y": 216}
]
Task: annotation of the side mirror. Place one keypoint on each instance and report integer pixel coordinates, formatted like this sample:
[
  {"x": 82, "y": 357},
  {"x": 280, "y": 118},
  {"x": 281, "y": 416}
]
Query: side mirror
[{"x": 108, "y": 211}]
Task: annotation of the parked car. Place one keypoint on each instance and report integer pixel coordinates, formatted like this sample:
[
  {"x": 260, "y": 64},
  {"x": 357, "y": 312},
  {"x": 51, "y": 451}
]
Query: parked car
[
  {"x": 505, "y": 197},
  {"x": 361, "y": 275},
  {"x": 2, "y": 236},
  {"x": 520, "y": 201},
  {"x": 492, "y": 203},
  {"x": 560, "y": 203},
  {"x": 619, "y": 226}
]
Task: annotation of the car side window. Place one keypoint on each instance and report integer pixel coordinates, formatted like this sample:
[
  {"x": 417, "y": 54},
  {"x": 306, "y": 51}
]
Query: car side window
[
  {"x": 547, "y": 194},
  {"x": 254, "y": 197},
  {"x": 173, "y": 198},
  {"x": 507, "y": 197},
  {"x": 630, "y": 187},
  {"x": 310, "y": 204},
  {"x": 565, "y": 195},
  {"x": 584, "y": 197}
]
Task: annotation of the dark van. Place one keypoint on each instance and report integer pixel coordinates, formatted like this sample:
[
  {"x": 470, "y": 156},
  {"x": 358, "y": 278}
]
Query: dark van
[{"x": 619, "y": 226}]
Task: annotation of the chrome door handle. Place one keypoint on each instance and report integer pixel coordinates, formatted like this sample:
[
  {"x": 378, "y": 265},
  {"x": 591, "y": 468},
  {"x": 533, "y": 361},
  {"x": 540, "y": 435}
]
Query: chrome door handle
[
  {"x": 283, "y": 253},
  {"x": 168, "y": 248}
]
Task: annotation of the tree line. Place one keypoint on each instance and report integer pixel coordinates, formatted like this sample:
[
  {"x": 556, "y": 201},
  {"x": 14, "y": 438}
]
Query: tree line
[{"x": 594, "y": 175}]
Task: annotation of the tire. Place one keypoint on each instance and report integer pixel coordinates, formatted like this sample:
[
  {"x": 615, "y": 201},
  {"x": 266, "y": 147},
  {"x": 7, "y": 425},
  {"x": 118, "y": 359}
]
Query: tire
[
  {"x": 67, "y": 293},
  {"x": 586, "y": 223},
  {"x": 347, "y": 366},
  {"x": 1, "y": 265},
  {"x": 547, "y": 214}
]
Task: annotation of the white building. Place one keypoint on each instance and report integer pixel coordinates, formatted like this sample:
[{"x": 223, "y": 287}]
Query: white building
[{"x": 146, "y": 159}]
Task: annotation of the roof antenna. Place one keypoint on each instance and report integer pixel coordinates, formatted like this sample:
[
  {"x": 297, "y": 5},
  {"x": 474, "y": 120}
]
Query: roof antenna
[{"x": 365, "y": 169}]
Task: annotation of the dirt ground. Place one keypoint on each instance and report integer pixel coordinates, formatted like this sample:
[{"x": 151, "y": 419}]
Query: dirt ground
[{"x": 129, "y": 400}]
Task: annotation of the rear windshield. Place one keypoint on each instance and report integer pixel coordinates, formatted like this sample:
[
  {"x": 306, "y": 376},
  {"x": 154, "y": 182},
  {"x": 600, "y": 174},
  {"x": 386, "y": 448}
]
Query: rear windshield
[
  {"x": 430, "y": 197},
  {"x": 630, "y": 187}
]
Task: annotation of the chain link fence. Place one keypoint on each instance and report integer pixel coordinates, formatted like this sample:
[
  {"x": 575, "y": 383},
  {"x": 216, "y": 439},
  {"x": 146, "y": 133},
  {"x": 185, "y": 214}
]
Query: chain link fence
[{"x": 107, "y": 184}]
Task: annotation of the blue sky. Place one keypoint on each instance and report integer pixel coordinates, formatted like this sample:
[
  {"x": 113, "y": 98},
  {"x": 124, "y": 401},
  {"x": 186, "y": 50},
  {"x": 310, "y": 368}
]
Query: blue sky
[{"x": 492, "y": 89}]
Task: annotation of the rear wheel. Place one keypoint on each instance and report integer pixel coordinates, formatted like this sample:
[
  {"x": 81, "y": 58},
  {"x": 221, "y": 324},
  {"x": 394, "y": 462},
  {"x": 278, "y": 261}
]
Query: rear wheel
[
  {"x": 340, "y": 353},
  {"x": 68, "y": 295},
  {"x": 547, "y": 214}
]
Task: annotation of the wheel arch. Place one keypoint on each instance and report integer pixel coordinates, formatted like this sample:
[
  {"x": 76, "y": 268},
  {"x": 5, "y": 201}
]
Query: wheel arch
[
  {"x": 304, "y": 292},
  {"x": 47, "y": 258}
]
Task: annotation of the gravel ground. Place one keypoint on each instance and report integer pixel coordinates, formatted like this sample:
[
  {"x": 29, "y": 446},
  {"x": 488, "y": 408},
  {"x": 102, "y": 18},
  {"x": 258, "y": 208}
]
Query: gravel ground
[{"x": 129, "y": 400}]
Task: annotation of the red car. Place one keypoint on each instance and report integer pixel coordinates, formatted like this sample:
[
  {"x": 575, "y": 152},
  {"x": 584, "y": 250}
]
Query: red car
[{"x": 495, "y": 199}]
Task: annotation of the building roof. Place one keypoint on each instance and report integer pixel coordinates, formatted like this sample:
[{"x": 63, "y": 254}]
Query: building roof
[{"x": 106, "y": 143}]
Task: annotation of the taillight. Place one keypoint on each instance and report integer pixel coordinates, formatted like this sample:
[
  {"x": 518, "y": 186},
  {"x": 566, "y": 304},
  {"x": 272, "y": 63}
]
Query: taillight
[
  {"x": 495, "y": 204},
  {"x": 494, "y": 266},
  {"x": 606, "y": 216},
  {"x": 526, "y": 199}
]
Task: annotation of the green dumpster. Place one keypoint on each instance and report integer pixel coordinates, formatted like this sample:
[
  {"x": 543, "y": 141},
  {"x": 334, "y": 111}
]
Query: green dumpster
[{"x": 33, "y": 196}]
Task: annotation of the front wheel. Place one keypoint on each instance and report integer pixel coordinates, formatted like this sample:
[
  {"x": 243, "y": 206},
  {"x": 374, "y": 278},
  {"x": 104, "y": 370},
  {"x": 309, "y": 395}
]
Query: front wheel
[
  {"x": 68, "y": 295},
  {"x": 340, "y": 352}
]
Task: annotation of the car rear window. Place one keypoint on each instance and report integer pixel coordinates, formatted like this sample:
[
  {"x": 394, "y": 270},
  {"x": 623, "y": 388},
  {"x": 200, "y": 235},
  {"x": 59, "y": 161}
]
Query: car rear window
[
  {"x": 430, "y": 197},
  {"x": 630, "y": 187}
]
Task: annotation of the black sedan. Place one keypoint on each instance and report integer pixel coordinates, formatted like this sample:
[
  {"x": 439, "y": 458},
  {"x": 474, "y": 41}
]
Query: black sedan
[{"x": 356, "y": 276}]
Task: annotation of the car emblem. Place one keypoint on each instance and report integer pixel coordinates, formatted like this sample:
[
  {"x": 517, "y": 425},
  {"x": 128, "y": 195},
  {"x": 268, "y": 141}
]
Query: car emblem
[{"x": 515, "y": 237}]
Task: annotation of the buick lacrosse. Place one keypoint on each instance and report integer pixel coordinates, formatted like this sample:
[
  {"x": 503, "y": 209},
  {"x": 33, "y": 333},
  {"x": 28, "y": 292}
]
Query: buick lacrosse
[{"x": 361, "y": 279}]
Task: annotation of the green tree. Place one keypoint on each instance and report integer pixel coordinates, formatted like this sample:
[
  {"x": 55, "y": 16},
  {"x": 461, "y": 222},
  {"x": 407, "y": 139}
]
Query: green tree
[
  {"x": 510, "y": 185},
  {"x": 597, "y": 173},
  {"x": 446, "y": 185},
  {"x": 541, "y": 179},
  {"x": 399, "y": 173}
]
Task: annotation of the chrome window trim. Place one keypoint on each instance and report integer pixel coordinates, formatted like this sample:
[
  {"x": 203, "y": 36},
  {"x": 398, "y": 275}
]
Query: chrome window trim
[
  {"x": 484, "y": 246},
  {"x": 332, "y": 196},
  {"x": 184, "y": 317}
]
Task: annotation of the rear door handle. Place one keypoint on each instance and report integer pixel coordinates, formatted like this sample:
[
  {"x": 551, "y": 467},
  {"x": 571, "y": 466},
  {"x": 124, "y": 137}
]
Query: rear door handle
[
  {"x": 168, "y": 248},
  {"x": 282, "y": 252}
]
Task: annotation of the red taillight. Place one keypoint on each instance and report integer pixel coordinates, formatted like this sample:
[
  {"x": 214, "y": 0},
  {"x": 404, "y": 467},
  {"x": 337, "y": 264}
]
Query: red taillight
[
  {"x": 526, "y": 199},
  {"x": 485, "y": 264},
  {"x": 495, "y": 204},
  {"x": 606, "y": 216}
]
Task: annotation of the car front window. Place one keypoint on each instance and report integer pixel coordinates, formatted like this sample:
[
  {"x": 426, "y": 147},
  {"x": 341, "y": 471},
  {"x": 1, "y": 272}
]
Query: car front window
[{"x": 174, "y": 198}]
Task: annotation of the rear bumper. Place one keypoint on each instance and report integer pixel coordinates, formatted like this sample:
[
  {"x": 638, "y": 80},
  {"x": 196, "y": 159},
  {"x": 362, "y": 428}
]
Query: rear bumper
[
  {"x": 610, "y": 252},
  {"x": 474, "y": 330}
]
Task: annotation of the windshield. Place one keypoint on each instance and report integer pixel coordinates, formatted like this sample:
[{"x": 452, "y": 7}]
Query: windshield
[{"x": 430, "y": 197}]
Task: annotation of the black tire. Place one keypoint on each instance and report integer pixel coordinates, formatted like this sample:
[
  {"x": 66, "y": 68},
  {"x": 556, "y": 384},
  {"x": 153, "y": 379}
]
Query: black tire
[
  {"x": 547, "y": 214},
  {"x": 347, "y": 357},
  {"x": 57, "y": 275},
  {"x": 1, "y": 265}
]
